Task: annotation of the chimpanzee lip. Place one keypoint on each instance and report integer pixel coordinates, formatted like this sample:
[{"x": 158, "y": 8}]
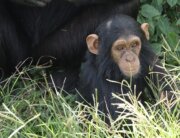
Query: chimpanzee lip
[
  {"x": 127, "y": 71},
  {"x": 133, "y": 71}
]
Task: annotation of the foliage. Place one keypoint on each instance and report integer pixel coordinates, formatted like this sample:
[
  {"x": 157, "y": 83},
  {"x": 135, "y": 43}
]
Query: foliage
[
  {"x": 31, "y": 109},
  {"x": 163, "y": 17}
]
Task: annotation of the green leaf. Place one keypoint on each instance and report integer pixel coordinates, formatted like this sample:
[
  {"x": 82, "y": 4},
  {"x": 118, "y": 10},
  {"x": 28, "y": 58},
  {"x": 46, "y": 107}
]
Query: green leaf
[
  {"x": 159, "y": 2},
  {"x": 163, "y": 25},
  {"x": 172, "y": 39},
  {"x": 178, "y": 22},
  {"x": 149, "y": 11},
  {"x": 172, "y": 2}
]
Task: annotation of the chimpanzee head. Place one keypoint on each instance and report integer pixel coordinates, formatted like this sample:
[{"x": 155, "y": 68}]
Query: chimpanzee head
[{"x": 120, "y": 39}]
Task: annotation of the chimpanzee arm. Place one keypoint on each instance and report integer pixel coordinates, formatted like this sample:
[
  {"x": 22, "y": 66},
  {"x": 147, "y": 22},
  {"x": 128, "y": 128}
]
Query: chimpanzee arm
[
  {"x": 39, "y": 3},
  {"x": 42, "y": 3}
]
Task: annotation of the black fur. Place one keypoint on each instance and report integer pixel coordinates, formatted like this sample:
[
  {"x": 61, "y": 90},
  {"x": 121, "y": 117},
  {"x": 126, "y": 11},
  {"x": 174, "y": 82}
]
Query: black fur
[
  {"x": 98, "y": 68},
  {"x": 57, "y": 30}
]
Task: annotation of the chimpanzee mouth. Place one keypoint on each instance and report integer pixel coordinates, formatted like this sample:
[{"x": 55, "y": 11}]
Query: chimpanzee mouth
[{"x": 131, "y": 72}]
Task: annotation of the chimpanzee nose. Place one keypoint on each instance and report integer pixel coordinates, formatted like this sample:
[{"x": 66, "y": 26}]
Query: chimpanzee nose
[{"x": 129, "y": 58}]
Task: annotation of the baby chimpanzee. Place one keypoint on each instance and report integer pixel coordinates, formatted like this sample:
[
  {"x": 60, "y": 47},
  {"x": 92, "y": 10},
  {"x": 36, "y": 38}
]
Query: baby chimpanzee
[{"x": 118, "y": 51}]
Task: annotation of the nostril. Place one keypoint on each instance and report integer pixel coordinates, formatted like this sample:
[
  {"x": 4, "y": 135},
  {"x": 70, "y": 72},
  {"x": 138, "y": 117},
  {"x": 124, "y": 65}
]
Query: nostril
[{"x": 129, "y": 58}]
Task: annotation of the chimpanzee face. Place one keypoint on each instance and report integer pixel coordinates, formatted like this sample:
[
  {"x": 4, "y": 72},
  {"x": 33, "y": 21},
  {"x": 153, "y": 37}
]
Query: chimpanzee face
[{"x": 125, "y": 53}]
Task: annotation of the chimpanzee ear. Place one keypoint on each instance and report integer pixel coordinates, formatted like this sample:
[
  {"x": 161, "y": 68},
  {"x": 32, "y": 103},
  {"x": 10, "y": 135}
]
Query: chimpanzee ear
[
  {"x": 92, "y": 41},
  {"x": 145, "y": 29}
]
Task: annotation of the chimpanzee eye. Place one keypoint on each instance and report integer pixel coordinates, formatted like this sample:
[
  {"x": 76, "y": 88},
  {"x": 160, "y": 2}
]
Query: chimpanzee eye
[
  {"x": 119, "y": 48},
  {"x": 134, "y": 44}
]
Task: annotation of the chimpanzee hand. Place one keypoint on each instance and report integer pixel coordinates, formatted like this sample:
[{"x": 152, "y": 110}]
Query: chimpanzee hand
[{"x": 39, "y": 3}]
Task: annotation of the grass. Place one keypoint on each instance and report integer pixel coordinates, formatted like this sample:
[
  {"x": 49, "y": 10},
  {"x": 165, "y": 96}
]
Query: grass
[{"x": 30, "y": 109}]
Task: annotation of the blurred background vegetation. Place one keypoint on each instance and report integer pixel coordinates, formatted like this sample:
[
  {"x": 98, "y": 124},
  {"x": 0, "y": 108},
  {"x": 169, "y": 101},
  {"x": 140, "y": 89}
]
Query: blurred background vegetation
[{"x": 163, "y": 17}]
